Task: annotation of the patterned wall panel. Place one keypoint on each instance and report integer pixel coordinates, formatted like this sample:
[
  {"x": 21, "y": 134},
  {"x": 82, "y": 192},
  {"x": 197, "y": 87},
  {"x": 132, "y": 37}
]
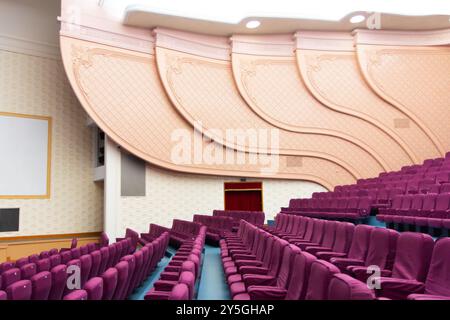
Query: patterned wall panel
[
  {"x": 352, "y": 95},
  {"x": 122, "y": 92},
  {"x": 203, "y": 89},
  {"x": 273, "y": 87},
  {"x": 416, "y": 80},
  {"x": 176, "y": 195},
  {"x": 38, "y": 86}
]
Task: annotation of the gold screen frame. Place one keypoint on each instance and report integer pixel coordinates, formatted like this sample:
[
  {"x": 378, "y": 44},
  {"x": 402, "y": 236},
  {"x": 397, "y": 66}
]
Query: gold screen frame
[{"x": 49, "y": 155}]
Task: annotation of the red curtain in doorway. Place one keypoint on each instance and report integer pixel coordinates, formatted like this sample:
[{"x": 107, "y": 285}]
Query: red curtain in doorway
[{"x": 245, "y": 196}]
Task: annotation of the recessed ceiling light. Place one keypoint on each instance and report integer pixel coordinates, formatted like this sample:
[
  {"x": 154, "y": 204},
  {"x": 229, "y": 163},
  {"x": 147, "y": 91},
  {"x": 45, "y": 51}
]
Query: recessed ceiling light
[
  {"x": 357, "y": 19},
  {"x": 253, "y": 24}
]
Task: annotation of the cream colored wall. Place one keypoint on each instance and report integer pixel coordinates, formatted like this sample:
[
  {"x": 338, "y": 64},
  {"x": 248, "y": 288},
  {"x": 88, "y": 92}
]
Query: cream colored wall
[
  {"x": 38, "y": 86},
  {"x": 172, "y": 195}
]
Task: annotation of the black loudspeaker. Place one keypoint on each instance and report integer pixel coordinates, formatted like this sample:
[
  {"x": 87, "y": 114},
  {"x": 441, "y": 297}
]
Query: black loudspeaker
[{"x": 9, "y": 220}]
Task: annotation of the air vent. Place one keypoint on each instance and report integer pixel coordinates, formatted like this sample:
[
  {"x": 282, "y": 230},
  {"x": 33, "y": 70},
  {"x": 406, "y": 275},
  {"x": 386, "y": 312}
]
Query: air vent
[
  {"x": 401, "y": 123},
  {"x": 294, "y": 162}
]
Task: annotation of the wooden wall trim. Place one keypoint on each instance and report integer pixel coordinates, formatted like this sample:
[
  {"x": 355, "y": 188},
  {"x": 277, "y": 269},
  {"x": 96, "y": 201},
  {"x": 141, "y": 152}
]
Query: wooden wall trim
[{"x": 51, "y": 236}]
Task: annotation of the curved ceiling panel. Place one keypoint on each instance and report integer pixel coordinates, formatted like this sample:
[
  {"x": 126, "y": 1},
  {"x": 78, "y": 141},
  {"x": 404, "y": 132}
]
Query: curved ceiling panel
[
  {"x": 416, "y": 80},
  {"x": 203, "y": 89},
  {"x": 121, "y": 91},
  {"x": 274, "y": 89},
  {"x": 352, "y": 95}
]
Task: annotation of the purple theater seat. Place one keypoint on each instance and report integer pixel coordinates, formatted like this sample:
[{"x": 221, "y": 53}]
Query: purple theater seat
[
  {"x": 344, "y": 287},
  {"x": 92, "y": 247},
  {"x": 27, "y": 271},
  {"x": 10, "y": 276},
  {"x": 43, "y": 265},
  {"x": 381, "y": 253},
  {"x": 278, "y": 290},
  {"x": 21, "y": 262},
  {"x": 86, "y": 265},
  {"x": 20, "y": 290},
  {"x": 33, "y": 258},
  {"x": 411, "y": 265},
  {"x": 59, "y": 277},
  {"x": 179, "y": 292},
  {"x": 112, "y": 255},
  {"x": 441, "y": 211},
  {"x": 109, "y": 277},
  {"x": 319, "y": 279},
  {"x": 437, "y": 285},
  {"x": 55, "y": 260},
  {"x": 53, "y": 251},
  {"x": 76, "y": 253},
  {"x": 96, "y": 257},
  {"x": 104, "y": 240},
  {"x": 122, "y": 277},
  {"x": 41, "y": 284},
  {"x": 131, "y": 269},
  {"x": 104, "y": 251},
  {"x": 76, "y": 295},
  {"x": 6, "y": 266},
  {"x": 94, "y": 288},
  {"x": 3, "y": 295},
  {"x": 66, "y": 256}
]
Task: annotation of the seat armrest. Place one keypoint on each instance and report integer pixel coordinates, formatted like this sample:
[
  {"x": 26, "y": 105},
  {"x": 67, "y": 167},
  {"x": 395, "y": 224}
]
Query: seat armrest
[
  {"x": 343, "y": 263},
  {"x": 164, "y": 285},
  {"x": 398, "y": 289},
  {"x": 259, "y": 280},
  {"x": 266, "y": 293},
  {"x": 244, "y": 257},
  {"x": 253, "y": 270},
  {"x": 249, "y": 263}
]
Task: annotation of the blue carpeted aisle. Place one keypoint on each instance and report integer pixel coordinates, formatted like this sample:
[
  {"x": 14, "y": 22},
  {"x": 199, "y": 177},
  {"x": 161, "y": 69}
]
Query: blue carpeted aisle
[
  {"x": 212, "y": 282},
  {"x": 140, "y": 292}
]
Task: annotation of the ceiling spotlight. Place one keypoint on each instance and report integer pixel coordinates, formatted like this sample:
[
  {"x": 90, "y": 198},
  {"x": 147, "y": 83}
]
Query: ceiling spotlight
[
  {"x": 357, "y": 19},
  {"x": 253, "y": 24}
]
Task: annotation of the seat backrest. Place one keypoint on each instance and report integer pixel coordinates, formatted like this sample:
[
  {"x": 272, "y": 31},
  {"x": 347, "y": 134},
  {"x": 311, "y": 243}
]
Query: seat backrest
[
  {"x": 41, "y": 284},
  {"x": 20, "y": 290},
  {"x": 96, "y": 261},
  {"x": 55, "y": 260},
  {"x": 277, "y": 252},
  {"x": 344, "y": 236},
  {"x": 397, "y": 202},
  {"x": 360, "y": 242},
  {"x": 179, "y": 292},
  {"x": 86, "y": 265},
  {"x": 438, "y": 279},
  {"x": 28, "y": 270},
  {"x": 298, "y": 282},
  {"x": 94, "y": 288},
  {"x": 413, "y": 256},
  {"x": 319, "y": 280},
  {"x": 43, "y": 265},
  {"x": 417, "y": 201},
  {"x": 285, "y": 269},
  {"x": 188, "y": 279},
  {"x": 318, "y": 231},
  {"x": 122, "y": 277},
  {"x": 407, "y": 202},
  {"x": 59, "y": 276},
  {"x": 429, "y": 202},
  {"x": 329, "y": 234},
  {"x": 10, "y": 276},
  {"x": 442, "y": 202},
  {"x": 381, "y": 243},
  {"x": 344, "y": 287},
  {"x": 110, "y": 278}
]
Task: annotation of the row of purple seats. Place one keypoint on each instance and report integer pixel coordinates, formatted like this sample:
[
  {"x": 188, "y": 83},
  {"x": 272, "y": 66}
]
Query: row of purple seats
[
  {"x": 353, "y": 208},
  {"x": 217, "y": 226},
  {"x": 177, "y": 281},
  {"x": 180, "y": 232},
  {"x": 429, "y": 210},
  {"x": 255, "y": 217},
  {"x": 331, "y": 275},
  {"x": 403, "y": 259},
  {"x": 46, "y": 278},
  {"x": 120, "y": 280}
]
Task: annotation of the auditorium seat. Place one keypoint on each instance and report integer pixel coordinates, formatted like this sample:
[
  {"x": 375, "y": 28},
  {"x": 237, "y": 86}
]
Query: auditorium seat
[
  {"x": 110, "y": 278},
  {"x": 41, "y": 285},
  {"x": 94, "y": 288},
  {"x": 20, "y": 290},
  {"x": 344, "y": 287},
  {"x": 320, "y": 276},
  {"x": 77, "y": 295},
  {"x": 412, "y": 260}
]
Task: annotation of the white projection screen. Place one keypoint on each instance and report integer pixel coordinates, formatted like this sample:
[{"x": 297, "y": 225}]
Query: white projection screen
[{"x": 25, "y": 156}]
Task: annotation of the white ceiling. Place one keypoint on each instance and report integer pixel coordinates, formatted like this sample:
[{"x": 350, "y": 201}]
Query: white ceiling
[{"x": 283, "y": 16}]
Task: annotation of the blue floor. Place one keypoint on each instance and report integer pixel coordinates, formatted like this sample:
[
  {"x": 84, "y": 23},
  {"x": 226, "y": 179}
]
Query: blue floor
[
  {"x": 140, "y": 292},
  {"x": 212, "y": 282}
]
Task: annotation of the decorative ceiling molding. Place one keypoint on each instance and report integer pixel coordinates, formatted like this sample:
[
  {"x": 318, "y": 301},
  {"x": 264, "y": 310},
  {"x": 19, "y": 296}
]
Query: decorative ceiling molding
[
  {"x": 123, "y": 41},
  {"x": 403, "y": 38},
  {"x": 29, "y": 47},
  {"x": 197, "y": 44},
  {"x": 268, "y": 45},
  {"x": 325, "y": 41}
]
